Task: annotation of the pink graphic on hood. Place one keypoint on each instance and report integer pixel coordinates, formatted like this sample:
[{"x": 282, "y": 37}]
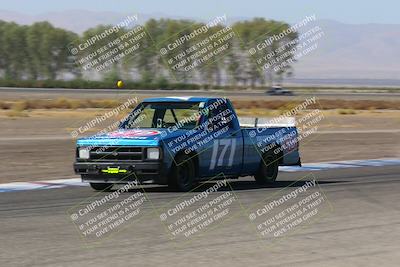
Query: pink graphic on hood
[{"x": 134, "y": 133}]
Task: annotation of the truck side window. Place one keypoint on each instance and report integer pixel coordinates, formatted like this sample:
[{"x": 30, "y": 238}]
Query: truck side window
[
  {"x": 148, "y": 115},
  {"x": 221, "y": 111},
  {"x": 169, "y": 117}
]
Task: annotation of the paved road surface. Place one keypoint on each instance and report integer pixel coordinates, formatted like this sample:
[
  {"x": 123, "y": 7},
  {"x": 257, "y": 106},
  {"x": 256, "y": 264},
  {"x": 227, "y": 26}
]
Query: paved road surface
[{"x": 359, "y": 227}]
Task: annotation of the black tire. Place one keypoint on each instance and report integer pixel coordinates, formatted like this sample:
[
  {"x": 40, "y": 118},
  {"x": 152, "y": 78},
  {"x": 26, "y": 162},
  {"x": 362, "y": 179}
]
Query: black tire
[
  {"x": 268, "y": 170},
  {"x": 182, "y": 174},
  {"x": 101, "y": 186}
]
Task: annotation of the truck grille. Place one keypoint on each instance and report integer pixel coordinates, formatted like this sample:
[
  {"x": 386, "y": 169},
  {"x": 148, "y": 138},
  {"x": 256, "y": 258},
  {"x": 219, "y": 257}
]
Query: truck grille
[{"x": 116, "y": 153}]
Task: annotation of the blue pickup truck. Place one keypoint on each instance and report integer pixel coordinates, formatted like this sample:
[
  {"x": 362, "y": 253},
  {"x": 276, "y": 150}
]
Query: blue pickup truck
[{"x": 178, "y": 141}]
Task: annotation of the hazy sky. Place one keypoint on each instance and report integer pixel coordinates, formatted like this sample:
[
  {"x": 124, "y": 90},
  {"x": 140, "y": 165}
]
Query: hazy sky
[{"x": 349, "y": 11}]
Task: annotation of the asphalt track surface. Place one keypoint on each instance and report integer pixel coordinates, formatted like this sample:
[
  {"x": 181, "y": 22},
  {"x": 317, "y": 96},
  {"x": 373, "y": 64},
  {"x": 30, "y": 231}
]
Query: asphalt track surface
[
  {"x": 359, "y": 227},
  {"x": 11, "y": 92}
]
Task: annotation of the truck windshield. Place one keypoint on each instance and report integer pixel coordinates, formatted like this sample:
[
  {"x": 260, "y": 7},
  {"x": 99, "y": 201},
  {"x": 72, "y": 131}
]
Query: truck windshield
[{"x": 164, "y": 115}]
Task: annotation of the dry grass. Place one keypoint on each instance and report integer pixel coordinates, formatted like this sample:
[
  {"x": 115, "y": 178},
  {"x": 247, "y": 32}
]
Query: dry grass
[
  {"x": 347, "y": 111},
  {"x": 60, "y": 103},
  {"x": 18, "y": 110},
  {"x": 277, "y": 105},
  {"x": 5, "y": 105},
  {"x": 321, "y": 104},
  {"x": 15, "y": 113}
]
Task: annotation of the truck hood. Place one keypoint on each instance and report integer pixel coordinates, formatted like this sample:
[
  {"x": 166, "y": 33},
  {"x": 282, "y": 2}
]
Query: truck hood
[{"x": 130, "y": 137}]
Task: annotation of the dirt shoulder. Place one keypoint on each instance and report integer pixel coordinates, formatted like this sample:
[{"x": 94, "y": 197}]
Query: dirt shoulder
[{"x": 40, "y": 146}]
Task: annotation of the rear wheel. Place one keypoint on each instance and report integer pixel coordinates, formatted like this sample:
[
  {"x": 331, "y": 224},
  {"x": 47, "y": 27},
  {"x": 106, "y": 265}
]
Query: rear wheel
[
  {"x": 268, "y": 170},
  {"x": 182, "y": 174},
  {"x": 101, "y": 186}
]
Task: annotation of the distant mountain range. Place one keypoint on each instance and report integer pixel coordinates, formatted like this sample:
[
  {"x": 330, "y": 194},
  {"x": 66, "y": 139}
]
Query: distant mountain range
[{"x": 346, "y": 52}]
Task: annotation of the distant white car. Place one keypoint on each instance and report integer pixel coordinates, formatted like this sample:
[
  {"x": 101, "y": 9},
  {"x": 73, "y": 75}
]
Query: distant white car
[{"x": 277, "y": 90}]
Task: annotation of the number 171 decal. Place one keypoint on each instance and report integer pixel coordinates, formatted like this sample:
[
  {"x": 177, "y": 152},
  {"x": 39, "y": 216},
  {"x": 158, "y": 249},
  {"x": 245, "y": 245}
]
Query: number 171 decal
[{"x": 220, "y": 148}]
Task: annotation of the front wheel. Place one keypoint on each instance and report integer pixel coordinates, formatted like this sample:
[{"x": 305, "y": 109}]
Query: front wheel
[
  {"x": 101, "y": 186},
  {"x": 268, "y": 170},
  {"x": 182, "y": 174}
]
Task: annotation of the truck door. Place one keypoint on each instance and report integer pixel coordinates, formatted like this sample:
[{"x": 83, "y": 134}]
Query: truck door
[{"x": 224, "y": 153}]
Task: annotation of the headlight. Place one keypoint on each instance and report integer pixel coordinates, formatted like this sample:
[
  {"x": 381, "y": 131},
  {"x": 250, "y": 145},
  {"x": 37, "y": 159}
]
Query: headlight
[
  {"x": 84, "y": 153},
  {"x": 153, "y": 153}
]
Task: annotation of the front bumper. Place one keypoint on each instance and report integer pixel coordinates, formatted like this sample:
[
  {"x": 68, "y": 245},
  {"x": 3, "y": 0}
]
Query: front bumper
[{"x": 120, "y": 172}]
